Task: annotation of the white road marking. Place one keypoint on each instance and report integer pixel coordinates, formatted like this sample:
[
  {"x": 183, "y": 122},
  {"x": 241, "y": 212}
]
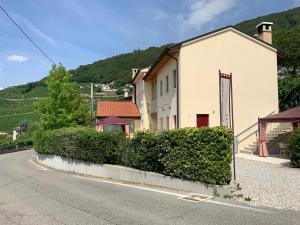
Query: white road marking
[
  {"x": 180, "y": 196},
  {"x": 132, "y": 186},
  {"x": 238, "y": 206}
]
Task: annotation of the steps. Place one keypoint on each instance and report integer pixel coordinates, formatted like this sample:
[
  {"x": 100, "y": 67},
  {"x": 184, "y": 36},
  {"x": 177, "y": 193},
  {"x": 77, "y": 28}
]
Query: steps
[{"x": 272, "y": 134}]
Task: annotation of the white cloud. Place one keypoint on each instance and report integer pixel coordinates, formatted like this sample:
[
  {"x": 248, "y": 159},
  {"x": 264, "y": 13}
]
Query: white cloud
[
  {"x": 296, "y": 3},
  {"x": 17, "y": 58},
  {"x": 202, "y": 12}
]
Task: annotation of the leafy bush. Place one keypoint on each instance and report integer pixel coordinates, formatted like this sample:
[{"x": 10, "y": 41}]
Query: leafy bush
[
  {"x": 143, "y": 153},
  {"x": 190, "y": 153},
  {"x": 6, "y": 143},
  {"x": 294, "y": 147},
  {"x": 22, "y": 142},
  {"x": 198, "y": 154},
  {"x": 81, "y": 143}
]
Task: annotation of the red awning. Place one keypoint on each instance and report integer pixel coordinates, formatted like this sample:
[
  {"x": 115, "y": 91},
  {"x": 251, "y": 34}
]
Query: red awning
[
  {"x": 292, "y": 115},
  {"x": 113, "y": 121},
  {"x": 289, "y": 116}
]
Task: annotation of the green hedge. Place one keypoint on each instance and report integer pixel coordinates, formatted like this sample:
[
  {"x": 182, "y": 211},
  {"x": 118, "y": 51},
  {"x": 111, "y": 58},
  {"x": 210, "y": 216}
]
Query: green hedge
[
  {"x": 294, "y": 147},
  {"x": 24, "y": 141},
  {"x": 81, "y": 143},
  {"x": 190, "y": 153},
  {"x": 143, "y": 152},
  {"x": 6, "y": 143}
]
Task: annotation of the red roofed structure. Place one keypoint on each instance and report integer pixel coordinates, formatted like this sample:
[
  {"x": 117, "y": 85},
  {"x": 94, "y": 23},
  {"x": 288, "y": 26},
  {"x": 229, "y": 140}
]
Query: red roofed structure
[
  {"x": 122, "y": 109},
  {"x": 121, "y": 116},
  {"x": 289, "y": 116}
]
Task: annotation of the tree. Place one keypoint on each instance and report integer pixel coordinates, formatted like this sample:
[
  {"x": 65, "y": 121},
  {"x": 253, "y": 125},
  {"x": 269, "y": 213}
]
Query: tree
[
  {"x": 289, "y": 92},
  {"x": 64, "y": 107},
  {"x": 289, "y": 40}
]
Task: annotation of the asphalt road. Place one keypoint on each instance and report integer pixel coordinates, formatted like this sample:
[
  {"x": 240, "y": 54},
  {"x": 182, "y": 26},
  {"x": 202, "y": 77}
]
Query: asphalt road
[{"x": 31, "y": 195}]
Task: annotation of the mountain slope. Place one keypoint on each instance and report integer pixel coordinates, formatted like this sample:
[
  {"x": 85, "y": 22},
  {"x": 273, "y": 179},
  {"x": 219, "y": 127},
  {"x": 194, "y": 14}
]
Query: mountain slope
[
  {"x": 286, "y": 35},
  {"x": 116, "y": 68},
  {"x": 282, "y": 21}
]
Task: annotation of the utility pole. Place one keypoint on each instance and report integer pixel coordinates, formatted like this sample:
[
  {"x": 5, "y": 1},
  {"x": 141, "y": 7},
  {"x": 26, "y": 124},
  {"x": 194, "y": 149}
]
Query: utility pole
[{"x": 92, "y": 99}]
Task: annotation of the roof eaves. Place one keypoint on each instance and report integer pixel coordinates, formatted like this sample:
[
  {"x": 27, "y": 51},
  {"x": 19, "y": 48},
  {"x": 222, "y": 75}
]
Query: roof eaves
[{"x": 165, "y": 52}]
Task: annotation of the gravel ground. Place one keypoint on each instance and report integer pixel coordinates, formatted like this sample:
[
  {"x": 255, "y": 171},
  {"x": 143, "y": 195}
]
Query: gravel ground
[{"x": 267, "y": 184}]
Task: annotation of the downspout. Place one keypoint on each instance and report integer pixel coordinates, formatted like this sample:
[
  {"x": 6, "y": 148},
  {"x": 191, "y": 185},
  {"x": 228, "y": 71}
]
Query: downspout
[
  {"x": 134, "y": 94},
  {"x": 177, "y": 90}
]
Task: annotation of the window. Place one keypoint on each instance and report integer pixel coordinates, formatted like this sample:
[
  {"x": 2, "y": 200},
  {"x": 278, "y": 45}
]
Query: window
[
  {"x": 161, "y": 88},
  {"x": 167, "y": 84},
  {"x": 175, "y": 121},
  {"x": 167, "y": 123},
  {"x": 161, "y": 123},
  {"x": 154, "y": 90},
  {"x": 202, "y": 120},
  {"x": 174, "y": 79}
]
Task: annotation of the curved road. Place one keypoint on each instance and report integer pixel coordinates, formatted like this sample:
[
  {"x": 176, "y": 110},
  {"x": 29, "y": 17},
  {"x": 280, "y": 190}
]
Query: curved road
[{"x": 30, "y": 195}]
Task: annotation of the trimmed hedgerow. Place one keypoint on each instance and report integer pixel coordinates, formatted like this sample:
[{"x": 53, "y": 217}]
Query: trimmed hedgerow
[
  {"x": 143, "y": 152},
  {"x": 198, "y": 154},
  {"x": 294, "y": 147},
  {"x": 194, "y": 154},
  {"x": 81, "y": 143},
  {"x": 189, "y": 153}
]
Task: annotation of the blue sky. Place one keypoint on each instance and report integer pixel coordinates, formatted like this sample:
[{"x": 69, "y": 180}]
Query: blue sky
[{"x": 76, "y": 32}]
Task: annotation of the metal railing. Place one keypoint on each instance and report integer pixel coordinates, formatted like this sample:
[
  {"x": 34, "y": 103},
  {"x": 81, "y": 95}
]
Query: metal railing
[{"x": 248, "y": 131}]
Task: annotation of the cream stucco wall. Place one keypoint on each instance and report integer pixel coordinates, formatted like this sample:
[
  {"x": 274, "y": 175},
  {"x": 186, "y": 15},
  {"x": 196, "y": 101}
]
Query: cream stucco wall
[
  {"x": 143, "y": 100},
  {"x": 254, "y": 70},
  {"x": 166, "y": 104}
]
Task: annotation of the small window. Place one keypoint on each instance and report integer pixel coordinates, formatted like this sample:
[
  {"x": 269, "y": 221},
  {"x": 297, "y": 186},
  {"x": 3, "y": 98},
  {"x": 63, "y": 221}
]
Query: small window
[
  {"x": 161, "y": 123},
  {"x": 167, "y": 123},
  {"x": 154, "y": 90},
  {"x": 174, "y": 79},
  {"x": 175, "y": 121},
  {"x": 161, "y": 88},
  {"x": 167, "y": 84}
]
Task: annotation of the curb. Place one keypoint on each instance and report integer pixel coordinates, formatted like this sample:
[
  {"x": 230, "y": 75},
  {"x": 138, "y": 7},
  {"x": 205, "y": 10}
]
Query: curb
[{"x": 127, "y": 174}]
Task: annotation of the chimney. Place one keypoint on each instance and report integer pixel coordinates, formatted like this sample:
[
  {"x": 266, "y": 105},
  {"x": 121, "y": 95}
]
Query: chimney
[
  {"x": 134, "y": 71},
  {"x": 126, "y": 92},
  {"x": 264, "y": 30}
]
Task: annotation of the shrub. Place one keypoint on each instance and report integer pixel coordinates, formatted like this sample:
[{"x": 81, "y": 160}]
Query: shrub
[
  {"x": 198, "y": 154},
  {"x": 6, "y": 143},
  {"x": 294, "y": 147},
  {"x": 81, "y": 143},
  {"x": 189, "y": 153},
  {"x": 22, "y": 142},
  {"x": 143, "y": 152}
]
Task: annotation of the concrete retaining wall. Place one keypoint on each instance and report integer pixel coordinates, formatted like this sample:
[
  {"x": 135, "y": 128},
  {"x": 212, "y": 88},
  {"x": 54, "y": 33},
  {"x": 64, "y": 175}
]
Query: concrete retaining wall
[{"x": 122, "y": 173}]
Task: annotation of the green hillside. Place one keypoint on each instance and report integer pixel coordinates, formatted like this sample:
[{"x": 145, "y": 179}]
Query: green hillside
[
  {"x": 286, "y": 35},
  {"x": 116, "y": 68},
  {"x": 282, "y": 21}
]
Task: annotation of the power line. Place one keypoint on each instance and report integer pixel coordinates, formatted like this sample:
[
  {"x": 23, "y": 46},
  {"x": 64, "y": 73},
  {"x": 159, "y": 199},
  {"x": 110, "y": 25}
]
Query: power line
[{"x": 48, "y": 57}]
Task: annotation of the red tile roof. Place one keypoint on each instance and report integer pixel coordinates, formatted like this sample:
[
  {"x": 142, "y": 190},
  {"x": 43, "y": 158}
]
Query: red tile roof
[{"x": 117, "y": 109}]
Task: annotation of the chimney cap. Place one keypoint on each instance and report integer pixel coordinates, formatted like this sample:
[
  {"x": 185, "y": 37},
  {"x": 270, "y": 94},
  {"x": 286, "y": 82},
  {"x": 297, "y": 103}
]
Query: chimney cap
[{"x": 264, "y": 23}]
